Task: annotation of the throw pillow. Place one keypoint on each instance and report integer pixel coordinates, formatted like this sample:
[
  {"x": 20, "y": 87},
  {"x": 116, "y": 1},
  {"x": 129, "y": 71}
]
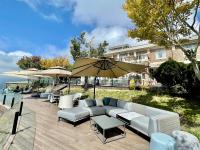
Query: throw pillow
[
  {"x": 113, "y": 102},
  {"x": 99, "y": 102},
  {"x": 106, "y": 101}
]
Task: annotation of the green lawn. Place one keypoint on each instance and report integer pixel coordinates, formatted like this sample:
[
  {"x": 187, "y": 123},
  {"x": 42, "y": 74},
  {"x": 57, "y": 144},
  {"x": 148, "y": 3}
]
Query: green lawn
[{"x": 189, "y": 112}]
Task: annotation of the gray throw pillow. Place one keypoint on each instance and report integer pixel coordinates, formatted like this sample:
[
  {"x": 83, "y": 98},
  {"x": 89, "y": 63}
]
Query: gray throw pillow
[{"x": 113, "y": 102}]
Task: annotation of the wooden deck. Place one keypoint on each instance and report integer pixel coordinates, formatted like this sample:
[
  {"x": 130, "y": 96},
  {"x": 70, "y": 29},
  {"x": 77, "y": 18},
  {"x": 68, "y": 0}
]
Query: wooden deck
[{"x": 54, "y": 135}]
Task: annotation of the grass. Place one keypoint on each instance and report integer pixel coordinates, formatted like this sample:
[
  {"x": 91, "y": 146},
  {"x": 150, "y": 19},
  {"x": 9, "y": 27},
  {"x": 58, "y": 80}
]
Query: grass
[{"x": 188, "y": 111}]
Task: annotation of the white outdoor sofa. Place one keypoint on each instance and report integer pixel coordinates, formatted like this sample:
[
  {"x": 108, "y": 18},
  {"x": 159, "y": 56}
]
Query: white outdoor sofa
[{"x": 149, "y": 120}]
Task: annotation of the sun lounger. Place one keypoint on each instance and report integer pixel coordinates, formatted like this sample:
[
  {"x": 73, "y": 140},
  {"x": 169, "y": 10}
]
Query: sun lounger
[{"x": 28, "y": 91}]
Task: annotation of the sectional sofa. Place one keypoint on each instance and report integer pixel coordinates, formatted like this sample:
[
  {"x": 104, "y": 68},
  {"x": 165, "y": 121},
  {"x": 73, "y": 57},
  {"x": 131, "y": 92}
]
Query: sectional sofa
[{"x": 149, "y": 120}]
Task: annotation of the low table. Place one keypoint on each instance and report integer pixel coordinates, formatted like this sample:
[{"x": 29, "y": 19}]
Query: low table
[
  {"x": 128, "y": 116},
  {"x": 104, "y": 123}
]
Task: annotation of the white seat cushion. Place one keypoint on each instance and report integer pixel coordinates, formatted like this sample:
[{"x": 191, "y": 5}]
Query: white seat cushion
[
  {"x": 141, "y": 124},
  {"x": 113, "y": 111}
]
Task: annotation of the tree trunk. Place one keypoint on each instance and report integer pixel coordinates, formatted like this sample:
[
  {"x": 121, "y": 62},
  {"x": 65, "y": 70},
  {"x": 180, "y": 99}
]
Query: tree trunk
[
  {"x": 193, "y": 61},
  {"x": 196, "y": 69},
  {"x": 86, "y": 83}
]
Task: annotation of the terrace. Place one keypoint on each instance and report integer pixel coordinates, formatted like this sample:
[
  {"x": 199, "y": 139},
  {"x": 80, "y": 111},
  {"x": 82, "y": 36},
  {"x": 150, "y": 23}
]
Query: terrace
[{"x": 51, "y": 134}]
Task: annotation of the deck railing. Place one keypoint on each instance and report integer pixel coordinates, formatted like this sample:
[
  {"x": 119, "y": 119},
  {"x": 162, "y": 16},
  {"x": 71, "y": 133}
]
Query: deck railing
[{"x": 10, "y": 107}]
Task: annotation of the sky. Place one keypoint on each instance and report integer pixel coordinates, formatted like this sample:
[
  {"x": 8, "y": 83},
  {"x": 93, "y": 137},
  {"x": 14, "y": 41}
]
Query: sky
[{"x": 45, "y": 27}]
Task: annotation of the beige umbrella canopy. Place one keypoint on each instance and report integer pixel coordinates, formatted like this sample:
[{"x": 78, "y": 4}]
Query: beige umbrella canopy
[
  {"x": 11, "y": 74},
  {"x": 104, "y": 67},
  {"x": 28, "y": 74},
  {"x": 56, "y": 71}
]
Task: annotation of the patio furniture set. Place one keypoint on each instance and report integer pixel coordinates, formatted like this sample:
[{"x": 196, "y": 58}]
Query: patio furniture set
[{"x": 113, "y": 115}]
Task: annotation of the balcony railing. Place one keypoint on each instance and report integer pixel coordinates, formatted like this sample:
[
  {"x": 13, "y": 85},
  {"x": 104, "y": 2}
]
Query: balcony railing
[{"x": 133, "y": 60}]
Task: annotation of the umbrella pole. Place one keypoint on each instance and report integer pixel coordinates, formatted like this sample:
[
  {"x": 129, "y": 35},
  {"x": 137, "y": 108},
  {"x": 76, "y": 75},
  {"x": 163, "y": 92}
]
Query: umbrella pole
[
  {"x": 94, "y": 86},
  {"x": 69, "y": 85}
]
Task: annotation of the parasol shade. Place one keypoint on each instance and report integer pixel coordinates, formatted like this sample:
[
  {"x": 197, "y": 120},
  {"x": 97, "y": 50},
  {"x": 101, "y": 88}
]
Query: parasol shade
[{"x": 104, "y": 67}]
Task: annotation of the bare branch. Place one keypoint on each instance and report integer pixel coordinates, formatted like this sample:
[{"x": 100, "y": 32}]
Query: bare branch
[
  {"x": 198, "y": 43},
  {"x": 183, "y": 21},
  {"x": 195, "y": 14}
]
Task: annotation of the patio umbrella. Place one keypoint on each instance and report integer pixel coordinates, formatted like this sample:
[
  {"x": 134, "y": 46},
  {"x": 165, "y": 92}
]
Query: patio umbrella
[
  {"x": 104, "y": 67},
  {"x": 28, "y": 74},
  {"x": 55, "y": 72}
]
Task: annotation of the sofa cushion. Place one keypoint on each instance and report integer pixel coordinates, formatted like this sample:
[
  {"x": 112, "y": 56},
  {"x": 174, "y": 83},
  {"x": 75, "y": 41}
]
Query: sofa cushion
[
  {"x": 138, "y": 108},
  {"x": 141, "y": 124},
  {"x": 113, "y": 111},
  {"x": 123, "y": 104},
  {"x": 113, "y": 102},
  {"x": 96, "y": 110},
  {"x": 150, "y": 112},
  {"x": 73, "y": 114},
  {"x": 106, "y": 101},
  {"x": 89, "y": 103}
]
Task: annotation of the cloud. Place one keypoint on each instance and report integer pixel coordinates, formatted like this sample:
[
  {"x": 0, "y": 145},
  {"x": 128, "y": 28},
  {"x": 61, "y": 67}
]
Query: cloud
[
  {"x": 8, "y": 60},
  {"x": 113, "y": 35},
  {"x": 19, "y": 54},
  {"x": 100, "y": 12},
  {"x": 90, "y": 12},
  {"x": 44, "y": 8},
  {"x": 50, "y": 51},
  {"x": 51, "y": 17}
]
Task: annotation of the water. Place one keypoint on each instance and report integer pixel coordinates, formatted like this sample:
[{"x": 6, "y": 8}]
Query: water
[{"x": 4, "y": 79}]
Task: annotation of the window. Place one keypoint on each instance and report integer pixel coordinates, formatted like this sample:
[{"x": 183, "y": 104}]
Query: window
[
  {"x": 142, "y": 56},
  {"x": 161, "y": 54}
]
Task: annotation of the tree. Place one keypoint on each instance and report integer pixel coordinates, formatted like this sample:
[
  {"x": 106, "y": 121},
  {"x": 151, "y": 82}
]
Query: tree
[
  {"x": 166, "y": 23},
  {"x": 52, "y": 62},
  {"x": 29, "y": 62},
  {"x": 77, "y": 45},
  {"x": 82, "y": 47}
]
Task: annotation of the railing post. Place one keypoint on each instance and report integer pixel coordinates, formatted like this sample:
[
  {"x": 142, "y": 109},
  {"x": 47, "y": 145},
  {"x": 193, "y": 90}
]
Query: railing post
[
  {"x": 4, "y": 99},
  {"x": 13, "y": 101},
  {"x": 15, "y": 123},
  {"x": 20, "y": 110}
]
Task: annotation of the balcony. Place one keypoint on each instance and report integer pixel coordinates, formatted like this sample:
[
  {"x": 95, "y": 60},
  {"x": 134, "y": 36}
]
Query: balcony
[{"x": 132, "y": 59}]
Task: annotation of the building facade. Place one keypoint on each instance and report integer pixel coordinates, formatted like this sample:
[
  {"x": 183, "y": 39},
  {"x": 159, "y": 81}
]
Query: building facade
[{"x": 150, "y": 55}]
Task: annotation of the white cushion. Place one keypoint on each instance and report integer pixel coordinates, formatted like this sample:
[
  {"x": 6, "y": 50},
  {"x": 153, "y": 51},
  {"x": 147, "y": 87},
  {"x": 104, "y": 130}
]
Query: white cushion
[
  {"x": 99, "y": 102},
  {"x": 141, "y": 124},
  {"x": 113, "y": 111}
]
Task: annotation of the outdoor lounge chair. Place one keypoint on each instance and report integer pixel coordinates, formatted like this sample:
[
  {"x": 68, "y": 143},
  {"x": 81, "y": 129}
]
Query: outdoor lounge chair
[
  {"x": 47, "y": 92},
  {"x": 28, "y": 91},
  {"x": 56, "y": 93},
  {"x": 66, "y": 101}
]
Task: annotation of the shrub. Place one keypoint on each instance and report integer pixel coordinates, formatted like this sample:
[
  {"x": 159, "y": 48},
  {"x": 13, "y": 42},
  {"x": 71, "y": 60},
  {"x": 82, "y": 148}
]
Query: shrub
[
  {"x": 170, "y": 73},
  {"x": 179, "y": 78},
  {"x": 132, "y": 84}
]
